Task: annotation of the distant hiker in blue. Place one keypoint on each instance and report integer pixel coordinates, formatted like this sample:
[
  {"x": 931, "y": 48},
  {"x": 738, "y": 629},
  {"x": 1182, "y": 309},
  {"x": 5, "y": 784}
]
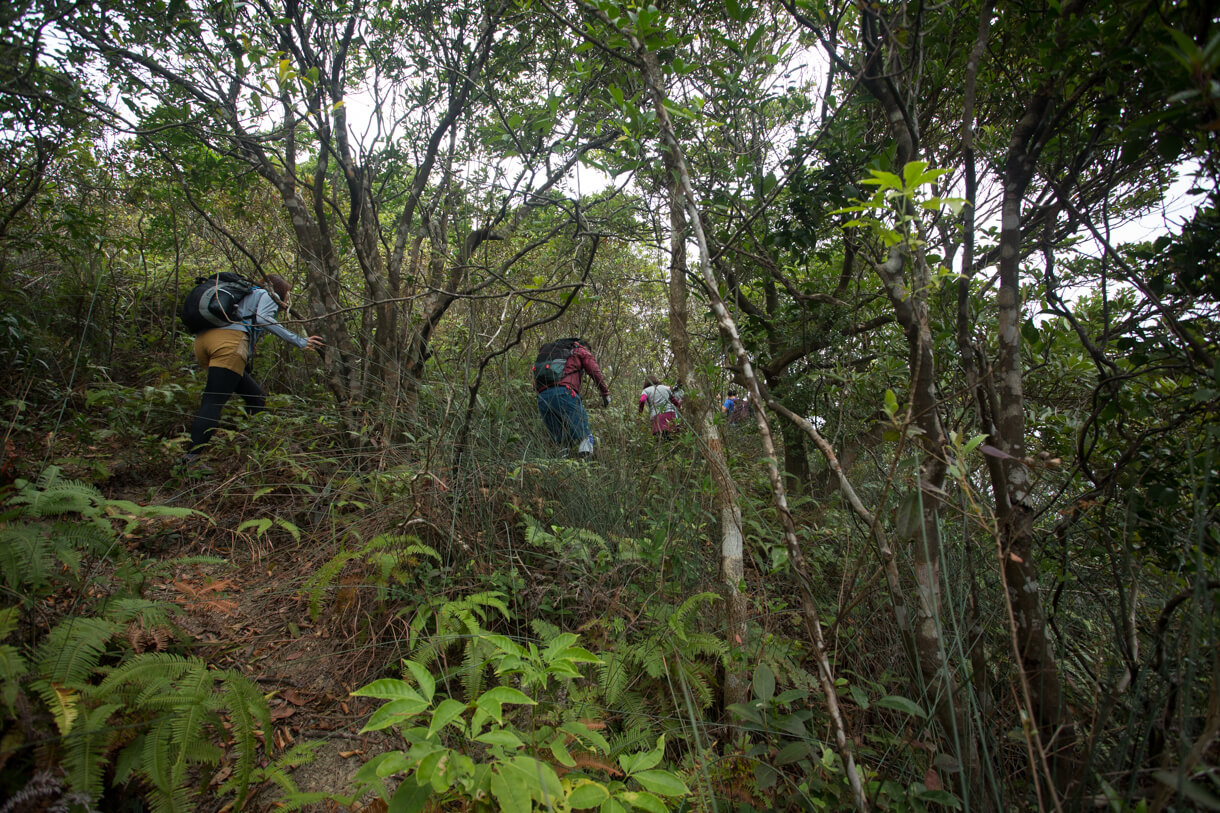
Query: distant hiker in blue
[
  {"x": 557, "y": 375},
  {"x": 736, "y": 409}
]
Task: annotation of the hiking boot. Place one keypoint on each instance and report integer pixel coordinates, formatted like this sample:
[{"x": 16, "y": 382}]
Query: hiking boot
[
  {"x": 584, "y": 457},
  {"x": 192, "y": 467}
]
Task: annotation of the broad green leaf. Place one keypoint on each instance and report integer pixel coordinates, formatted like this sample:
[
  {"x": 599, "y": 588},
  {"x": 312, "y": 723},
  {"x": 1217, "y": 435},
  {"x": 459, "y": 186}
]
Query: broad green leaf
[
  {"x": 427, "y": 683},
  {"x": 448, "y": 711},
  {"x": 539, "y": 774},
  {"x": 511, "y": 793},
  {"x": 394, "y": 712},
  {"x": 747, "y": 712},
  {"x": 431, "y": 770},
  {"x": 578, "y": 654},
  {"x": 587, "y": 793},
  {"x": 612, "y": 806},
  {"x": 891, "y": 403},
  {"x": 764, "y": 683},
  {"x": 411, "y": 797},
  {"x": 793, "y": 752},
  {"x": 395, "y": 762},
  {"x": 644, "y": 801},
  {"x": 559, "y": 750},
  {"x": 492, "y": 700},
  {"x": 940, "y": 797},
  {"x": 388, "y": 689},
  {"x": 903, "y": 704},
  {"x": 502, "y": 738},
  {"x": 586, "y": 735},
  {"x": 662, "y": 782}
]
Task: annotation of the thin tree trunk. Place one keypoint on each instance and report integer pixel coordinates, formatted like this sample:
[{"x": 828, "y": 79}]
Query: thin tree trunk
[
  {"x": 698, "y": 413},
  {"x": 652, "y": 74}
]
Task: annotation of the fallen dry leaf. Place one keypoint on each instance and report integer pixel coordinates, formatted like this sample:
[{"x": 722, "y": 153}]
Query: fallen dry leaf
[
  {"x": 349, "y": 754},
  {"x": 294, "y": 697}
]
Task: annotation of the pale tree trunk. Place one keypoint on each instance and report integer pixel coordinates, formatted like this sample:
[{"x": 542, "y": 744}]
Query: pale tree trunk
[
  {"x": 922, "y": 535},
  {"x": 653, "y": 80},
  {"x": 1055, "y": 734},
  {"x": 698, "y": 412}
]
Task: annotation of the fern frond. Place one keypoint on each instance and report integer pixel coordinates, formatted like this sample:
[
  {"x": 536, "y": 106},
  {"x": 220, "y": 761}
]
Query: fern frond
[
  {"x": 247, "y": 710},
  {"x": 61, "y": 701},
  {"x": 544, "y": 629},
  {"x": 193, "y": 715},
  {"x": 473, "y": 679},
  {"x": 26, "y": 559},
  {"x": 136, "y": 675},
  {"x": 612, "y": 677},
  {"x": 677, "y": 621},
  {"x": 157, "y": 765},
  {"x": 148, "y": 613},
  {"x": 703, "y": 643},
  {"x": 87, "y": 750},
  {"x": 70, "y": 653},
  {"x": 80, "y": 536},
  {"x": 12, "y": 668},
  {"x": 323, "y": 578}
]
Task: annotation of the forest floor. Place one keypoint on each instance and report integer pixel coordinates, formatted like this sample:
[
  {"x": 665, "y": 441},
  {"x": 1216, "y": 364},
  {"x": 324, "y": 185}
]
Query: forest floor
[{"x": 251, "y": 613}]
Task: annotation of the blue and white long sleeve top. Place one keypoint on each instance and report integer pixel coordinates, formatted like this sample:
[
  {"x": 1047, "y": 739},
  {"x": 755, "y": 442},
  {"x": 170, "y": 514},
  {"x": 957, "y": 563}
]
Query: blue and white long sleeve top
[{"x": 258, "y": 311}]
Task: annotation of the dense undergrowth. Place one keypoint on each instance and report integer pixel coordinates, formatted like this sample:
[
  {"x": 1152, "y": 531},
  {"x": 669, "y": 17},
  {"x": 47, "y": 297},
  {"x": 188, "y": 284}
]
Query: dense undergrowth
[{"x": 534, "y": 631}]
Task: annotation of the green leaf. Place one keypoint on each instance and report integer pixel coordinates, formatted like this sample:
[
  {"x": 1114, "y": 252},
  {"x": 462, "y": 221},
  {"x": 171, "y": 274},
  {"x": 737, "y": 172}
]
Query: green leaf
[
  {"x": 940, "y": 797},
  {"x": 411, "y": 797},
  {"x": 747, "y": 712},
  {"x": 586, "y": 735},
  {"x": 903, "y": 704},
  {"x": 448, "y": 711},
  {"x": 764, "y": 683},
  {"x": 662, "y": 782},
  {"x": 559, "y": 750},
  {"x": 644, "y": 801},
  {"x": 793, "y": 752},
  {"x": 388, "y": 689},
  {"x": 1195, "y": 793},
  {"x": 736, "y": 12},
  {"x": 260, "y": 526},
  {"x": 394, "y": 712},
  {"x": 578, "y": 654},
  {"x": 612, "y": 806},
  {"x": 491, "y": 700},
  {"x": 423, "y": 677},
  {"x": 511, "y": 793},
  {"x": 587, "y": 794},
  {"x": 502, "y": 738},
  {"x": 891, "y": 403},
  {"x": 973, "y": 443}
]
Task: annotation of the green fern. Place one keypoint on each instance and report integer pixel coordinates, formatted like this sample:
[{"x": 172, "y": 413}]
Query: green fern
[
  {"x": 278, "y": 772},
  {"x": 188, "y": 705},
  {"x": 390, "y": 554},
  {"x": 72, "y": 650},
  {"x": 86, "y": 749}
]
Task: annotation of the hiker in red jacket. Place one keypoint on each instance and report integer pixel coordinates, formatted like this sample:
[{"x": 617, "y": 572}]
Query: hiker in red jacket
[{"x": 558, "y": 372}]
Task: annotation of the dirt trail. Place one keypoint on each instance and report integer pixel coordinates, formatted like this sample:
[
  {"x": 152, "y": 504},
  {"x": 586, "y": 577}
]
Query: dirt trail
[{"x": 251, "y": 614}]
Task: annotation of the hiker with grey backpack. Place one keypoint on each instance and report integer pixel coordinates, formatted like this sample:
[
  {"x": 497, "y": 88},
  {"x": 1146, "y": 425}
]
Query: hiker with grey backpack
[{"x": 228, "y": 315}]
